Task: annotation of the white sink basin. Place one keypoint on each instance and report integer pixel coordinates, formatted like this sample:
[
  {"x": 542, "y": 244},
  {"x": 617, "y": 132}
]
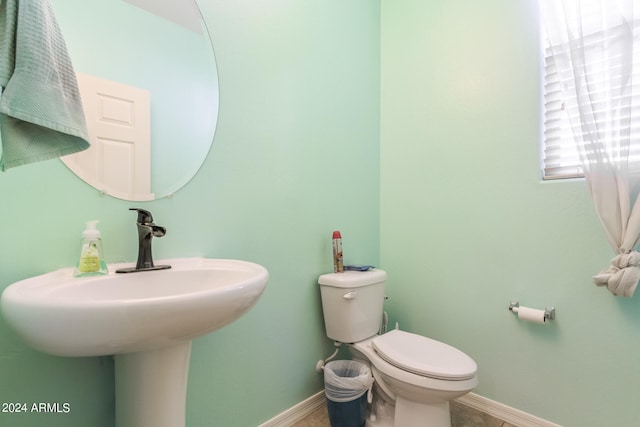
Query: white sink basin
[
  {"x": 124, "y": 313},
  {"x": 146, "y": 320}
]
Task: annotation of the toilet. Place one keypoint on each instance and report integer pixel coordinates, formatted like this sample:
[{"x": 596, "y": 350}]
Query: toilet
[{"x": 415, "y": 377}]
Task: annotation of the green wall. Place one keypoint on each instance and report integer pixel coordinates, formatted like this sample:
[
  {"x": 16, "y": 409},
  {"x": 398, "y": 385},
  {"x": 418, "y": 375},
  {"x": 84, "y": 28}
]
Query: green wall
[
  {"x": 296, "y": 155},
  {"x": 467, "y": 225}
]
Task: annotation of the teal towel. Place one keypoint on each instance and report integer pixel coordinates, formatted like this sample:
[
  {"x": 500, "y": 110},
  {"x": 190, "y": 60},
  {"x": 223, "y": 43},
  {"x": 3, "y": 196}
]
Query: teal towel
[{"x": 41, "y": 114}]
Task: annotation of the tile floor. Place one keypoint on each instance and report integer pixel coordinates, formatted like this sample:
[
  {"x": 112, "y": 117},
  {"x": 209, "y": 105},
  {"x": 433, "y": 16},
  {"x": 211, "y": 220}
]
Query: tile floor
[{"x": 461, "y": 416}]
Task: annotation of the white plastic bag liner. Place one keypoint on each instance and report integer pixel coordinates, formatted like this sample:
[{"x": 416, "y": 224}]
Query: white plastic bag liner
[{"x": 347, "y": 380}]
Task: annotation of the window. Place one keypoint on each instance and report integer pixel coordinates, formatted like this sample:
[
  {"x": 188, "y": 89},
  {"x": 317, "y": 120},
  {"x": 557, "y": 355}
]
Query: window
[
  {"x": 560, "y": 156},
  {"x": 562, "y": 124}
]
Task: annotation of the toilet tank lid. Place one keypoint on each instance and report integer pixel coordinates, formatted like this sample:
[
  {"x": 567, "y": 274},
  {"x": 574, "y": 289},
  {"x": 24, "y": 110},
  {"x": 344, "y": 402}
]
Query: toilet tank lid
[{"x": 353, "y": 279}]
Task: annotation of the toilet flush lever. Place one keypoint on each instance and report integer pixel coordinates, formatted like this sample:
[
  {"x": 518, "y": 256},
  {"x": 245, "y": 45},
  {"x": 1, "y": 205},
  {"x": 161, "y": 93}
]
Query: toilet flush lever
[{"x": 350, "y": 295}]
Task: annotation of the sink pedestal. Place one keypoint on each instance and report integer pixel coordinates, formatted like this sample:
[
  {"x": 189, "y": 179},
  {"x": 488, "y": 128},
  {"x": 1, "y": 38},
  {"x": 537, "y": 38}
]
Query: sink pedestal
[{"x": 151, "y": 387}]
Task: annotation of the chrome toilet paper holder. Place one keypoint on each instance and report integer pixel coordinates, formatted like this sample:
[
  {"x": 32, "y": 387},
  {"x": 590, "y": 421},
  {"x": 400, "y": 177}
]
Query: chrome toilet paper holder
[{"x": 549, "y": 312}]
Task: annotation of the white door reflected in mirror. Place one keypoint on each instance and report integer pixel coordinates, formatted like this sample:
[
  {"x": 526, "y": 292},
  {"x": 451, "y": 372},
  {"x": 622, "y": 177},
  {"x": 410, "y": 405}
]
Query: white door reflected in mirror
[{"x": 119, "y": 126}]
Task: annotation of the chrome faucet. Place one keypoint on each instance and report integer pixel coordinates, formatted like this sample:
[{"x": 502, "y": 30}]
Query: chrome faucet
[{"x": 146, "y": 231}]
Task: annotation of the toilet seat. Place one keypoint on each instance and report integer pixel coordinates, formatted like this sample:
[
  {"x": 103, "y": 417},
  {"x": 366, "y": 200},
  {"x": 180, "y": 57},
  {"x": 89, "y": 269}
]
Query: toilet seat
[
  {"x": 424, "y": 356},
  {"x": 393, "y": 376}
]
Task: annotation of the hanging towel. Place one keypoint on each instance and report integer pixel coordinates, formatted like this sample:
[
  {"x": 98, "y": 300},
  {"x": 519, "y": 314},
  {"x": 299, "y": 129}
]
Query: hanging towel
[{"x": 41, "y": 114}]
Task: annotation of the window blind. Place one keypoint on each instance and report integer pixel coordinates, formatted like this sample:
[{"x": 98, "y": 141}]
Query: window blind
[
  {"x": 560, "y": 155},
  {"x": 561, "y": 158}
]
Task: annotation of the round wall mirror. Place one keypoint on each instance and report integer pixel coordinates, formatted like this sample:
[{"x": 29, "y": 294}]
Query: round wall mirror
[{"x": 149, "y": 85}]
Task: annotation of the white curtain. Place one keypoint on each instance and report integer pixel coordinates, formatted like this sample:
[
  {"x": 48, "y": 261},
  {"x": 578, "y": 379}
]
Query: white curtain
[{"x": 595, "y": 45}]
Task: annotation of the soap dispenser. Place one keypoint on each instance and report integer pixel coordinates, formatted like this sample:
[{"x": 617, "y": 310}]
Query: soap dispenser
[{"x": 91, "y": 261}]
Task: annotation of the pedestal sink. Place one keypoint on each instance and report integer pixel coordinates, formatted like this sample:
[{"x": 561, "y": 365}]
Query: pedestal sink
[{"x": 146, "y": 320}]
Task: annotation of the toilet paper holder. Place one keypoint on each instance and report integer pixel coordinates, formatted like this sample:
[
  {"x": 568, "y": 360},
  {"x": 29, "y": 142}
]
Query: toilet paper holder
[{"x": 549, "y": 312}]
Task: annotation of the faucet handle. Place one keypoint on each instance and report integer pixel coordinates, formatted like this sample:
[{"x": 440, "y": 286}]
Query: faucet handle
[{"x": 144, "y": 216}]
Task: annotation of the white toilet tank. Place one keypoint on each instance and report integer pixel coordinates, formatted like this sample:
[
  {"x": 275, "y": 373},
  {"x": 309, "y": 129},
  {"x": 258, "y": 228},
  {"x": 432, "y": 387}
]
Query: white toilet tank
[{"x": 352, "y": 304}]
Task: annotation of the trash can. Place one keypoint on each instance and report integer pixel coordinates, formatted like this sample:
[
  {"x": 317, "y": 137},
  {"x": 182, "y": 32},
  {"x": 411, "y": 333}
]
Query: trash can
[{"x": 347, "y": 385}]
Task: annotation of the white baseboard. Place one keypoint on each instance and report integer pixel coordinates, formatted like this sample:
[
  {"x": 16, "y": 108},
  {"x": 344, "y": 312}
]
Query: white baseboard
[
  {"x": 475, "y": 401},
  {"x": 503, "y": 412},
  {"x": 297, "y": 412}
]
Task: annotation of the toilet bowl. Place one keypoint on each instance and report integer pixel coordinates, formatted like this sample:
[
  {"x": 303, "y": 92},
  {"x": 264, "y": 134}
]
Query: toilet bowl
[
  {"x": 415, "y": 376},
  {"x": 418, "y": 375}
]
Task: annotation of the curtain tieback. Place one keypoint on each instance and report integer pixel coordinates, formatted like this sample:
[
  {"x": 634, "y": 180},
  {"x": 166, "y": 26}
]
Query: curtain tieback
[{"x": 622, "y": 277}]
